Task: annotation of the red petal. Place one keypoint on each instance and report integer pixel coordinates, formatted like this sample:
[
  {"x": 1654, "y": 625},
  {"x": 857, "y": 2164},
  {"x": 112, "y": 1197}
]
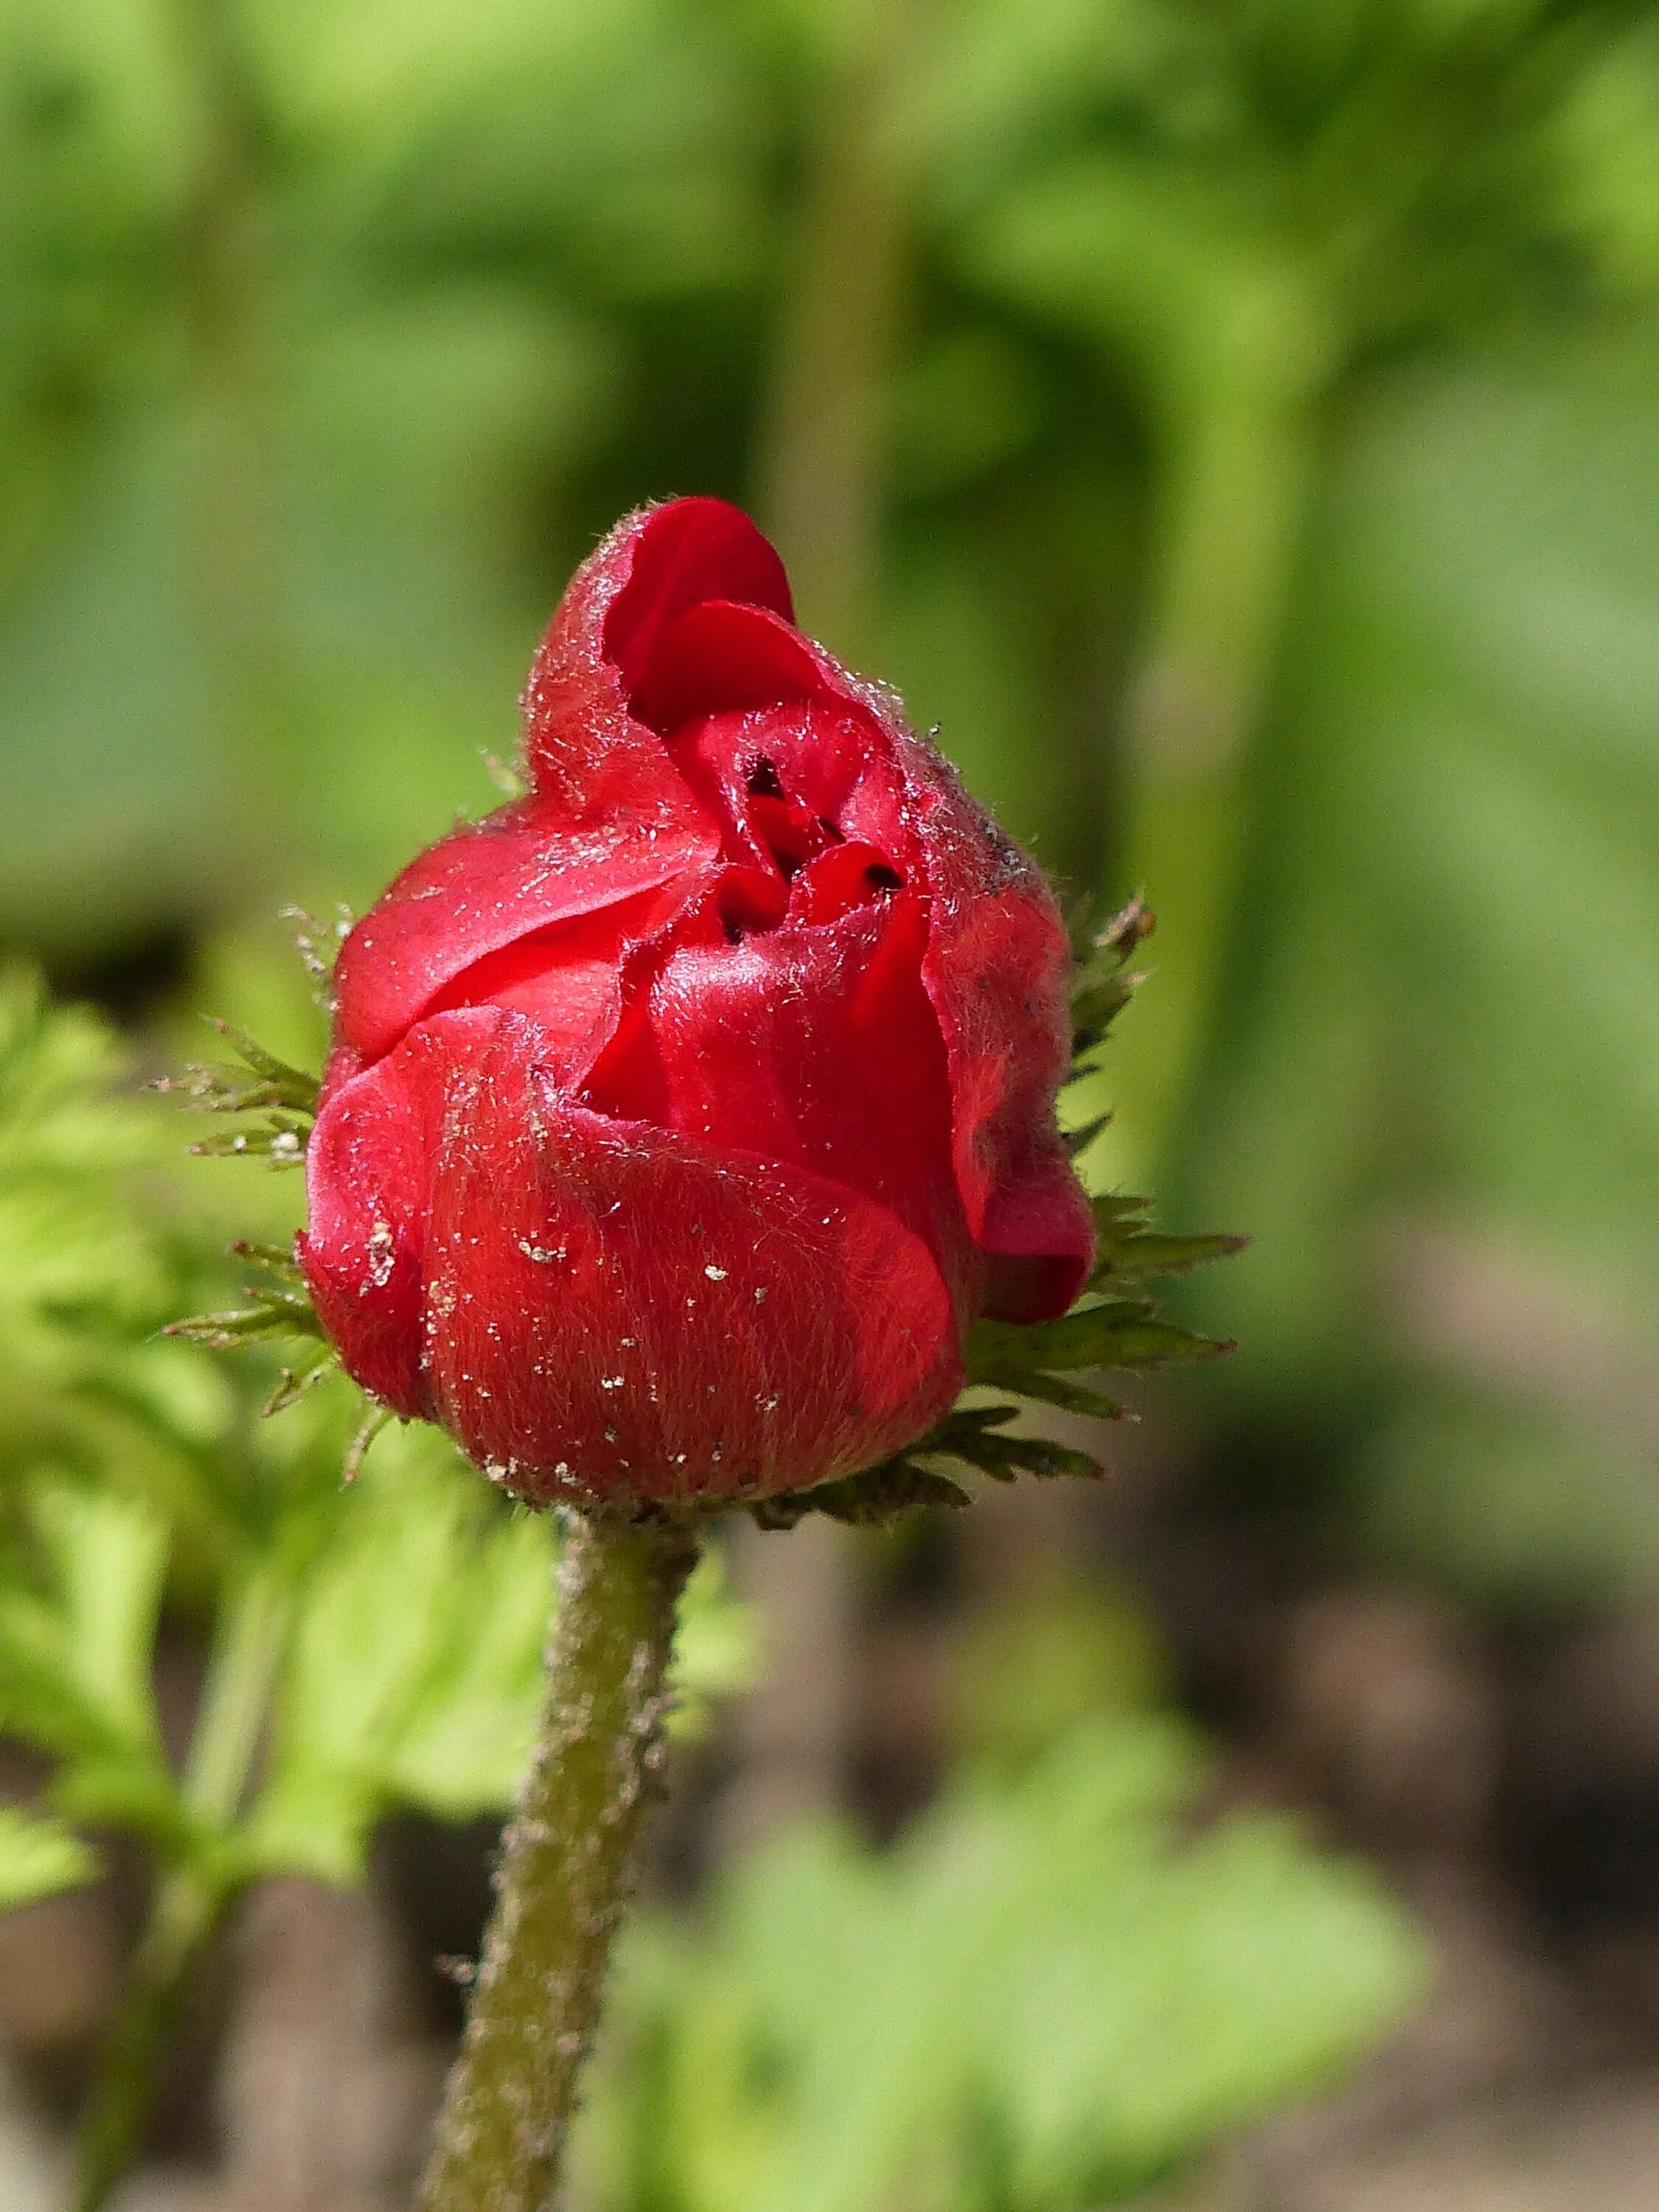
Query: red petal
[
  {"x": 366, "y": 1207},
  {"x": 830, "y": 755},
  {"x": 674, "y": 557},
  {"x": 997, "y": 968},
  {"x": 568, "y": 979},
  {"x": 485, "y": 886},
  {"x": 998, "y": 971},
  {"x": 584, "y": 751},
  {"x": 617, "y": 1310},
  {"x": 720, "y": 657},
  {"x": 814, "y": 1045},
  {"x": 839, "y": 880}
]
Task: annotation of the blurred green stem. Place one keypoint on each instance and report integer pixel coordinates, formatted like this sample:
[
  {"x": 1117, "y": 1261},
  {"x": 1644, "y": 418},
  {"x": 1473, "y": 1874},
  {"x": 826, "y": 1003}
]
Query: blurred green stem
[
  {"x": 820, "y": 466},
  {"x": 1230, "y": 501},
  {"x": 190, "y": 1898},
  {"x": 183, "y": 1914},
  {"x": 224, "y": 256},
  {"x": 566, "y": 1864}
]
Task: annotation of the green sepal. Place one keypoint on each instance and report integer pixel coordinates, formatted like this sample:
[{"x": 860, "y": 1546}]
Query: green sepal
[
  {"x": 1122, "y": 1332},
  {"x": 1061, "y": 1390},
  {"x": 289, "y": 1087},
  {"x": 287, "y": 1096},
  {"x": 1129, "y": 1252},
  {"x": 282, "y": 1139},
  {"x": 1076, "y": 1141},
  {"x": 1103, "y": 982},
  {"x": 974, "y": 1434},
  {"x": 275, "y": 1310},
  {"x": 970, "y": 1434},
  {"x": 375, "y": 1418},
  {"x": 272, "y": 1315},
  {"x": 293, "y": 1383},
  {"x": 311, "y": 936},
  {"x": 873, "y": 1499},
  {"x": 279, "y": 1258}
]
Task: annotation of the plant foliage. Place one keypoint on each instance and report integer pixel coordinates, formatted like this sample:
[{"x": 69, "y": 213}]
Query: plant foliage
[
  {"x": 387, "y": 1642},
  {"x": 1050, "y": 1994}
]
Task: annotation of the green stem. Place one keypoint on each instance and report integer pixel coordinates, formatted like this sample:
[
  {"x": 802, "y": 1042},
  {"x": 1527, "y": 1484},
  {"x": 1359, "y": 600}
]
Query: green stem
[
  {"x": 565, "y": 1862},
  {"x": 190, "y": 1899},
  {"x": 247, "y": 1651},
  {"x": 234, "y": 568},
  {"x": 1231, "y": 501},
  {"x": 183, "y": 1914},
  {"x": 820, "y": 463}
]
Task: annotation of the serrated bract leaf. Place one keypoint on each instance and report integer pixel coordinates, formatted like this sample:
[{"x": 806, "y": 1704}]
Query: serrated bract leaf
[
  {"x": 869, "y": 1499},
  {"x": 1120, "y": 1334}
]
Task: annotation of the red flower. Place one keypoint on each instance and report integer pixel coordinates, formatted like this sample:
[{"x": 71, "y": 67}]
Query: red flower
[{"x": 683, "y": 1116}]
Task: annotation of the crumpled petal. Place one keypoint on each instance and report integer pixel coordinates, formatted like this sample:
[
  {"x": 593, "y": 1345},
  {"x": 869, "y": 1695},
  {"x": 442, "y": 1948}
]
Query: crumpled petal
[
  {"x": 814, "y": 1045},
  {"x": 584, "y": 751},
  {"x": 997, "y": 967},
  {"x": 619, "y": 1311},
  {"x": 825, "y": 753},
  {"x": 479, "y": 890}
]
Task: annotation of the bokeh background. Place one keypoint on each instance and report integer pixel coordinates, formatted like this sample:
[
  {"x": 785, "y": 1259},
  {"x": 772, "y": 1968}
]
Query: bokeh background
[{"x": 1236, "y": 424}]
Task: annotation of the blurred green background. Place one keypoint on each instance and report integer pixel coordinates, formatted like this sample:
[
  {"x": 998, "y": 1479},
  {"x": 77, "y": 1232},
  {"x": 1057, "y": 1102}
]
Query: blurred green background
[
  {"x": 1235, "y": 423},
  {"x": 1237, "y": 426}
]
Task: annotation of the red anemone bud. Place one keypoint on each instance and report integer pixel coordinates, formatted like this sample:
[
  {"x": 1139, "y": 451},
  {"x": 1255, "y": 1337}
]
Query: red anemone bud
[{"x": 683, "y": 1116}]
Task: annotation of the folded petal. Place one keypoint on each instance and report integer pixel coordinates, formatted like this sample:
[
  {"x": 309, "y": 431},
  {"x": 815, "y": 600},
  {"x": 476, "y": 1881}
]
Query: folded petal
[
  {"x": 997, "y": 970},
  {"x": 671, "y": 558},
  {"x": 584, "y": 749},
  {"x": 491, "y": 882},
  {"x": 720, "y": 656},
  {"x": 816, "y": 1045},
  {"x": 618, "y": 1309}
]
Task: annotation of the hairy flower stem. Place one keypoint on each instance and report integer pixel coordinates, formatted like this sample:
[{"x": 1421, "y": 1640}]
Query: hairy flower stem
[{"x": 565, "y": 1861}]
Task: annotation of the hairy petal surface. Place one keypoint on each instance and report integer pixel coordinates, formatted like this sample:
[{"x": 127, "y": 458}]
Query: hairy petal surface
[
  {"x": 813, "y": 1045},
  {"x": 364, "y": 1240},
  {"x": 519, "y": 870},
  {"x": 612, "y": 1309}
]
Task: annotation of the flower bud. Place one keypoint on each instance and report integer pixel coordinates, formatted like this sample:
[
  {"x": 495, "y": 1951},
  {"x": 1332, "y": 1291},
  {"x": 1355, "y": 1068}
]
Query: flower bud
[{"x": 684, "y": 1115}]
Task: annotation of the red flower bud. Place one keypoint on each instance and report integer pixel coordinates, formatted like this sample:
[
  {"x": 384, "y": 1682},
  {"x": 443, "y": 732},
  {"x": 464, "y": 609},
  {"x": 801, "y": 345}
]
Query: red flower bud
[{"x": 683, "y": 1115}]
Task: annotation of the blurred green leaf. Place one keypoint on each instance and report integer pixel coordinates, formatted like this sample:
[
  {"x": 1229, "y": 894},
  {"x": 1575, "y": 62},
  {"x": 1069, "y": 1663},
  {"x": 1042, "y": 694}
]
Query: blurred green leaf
[
  {"x": 414, "y": 1671},
  {"x": 1044, "y": 1996},
  {"x": 1444, "y": 1043},
  {"x": 77, "y": 1624},
  {"x": 39, "y": 1858}
]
